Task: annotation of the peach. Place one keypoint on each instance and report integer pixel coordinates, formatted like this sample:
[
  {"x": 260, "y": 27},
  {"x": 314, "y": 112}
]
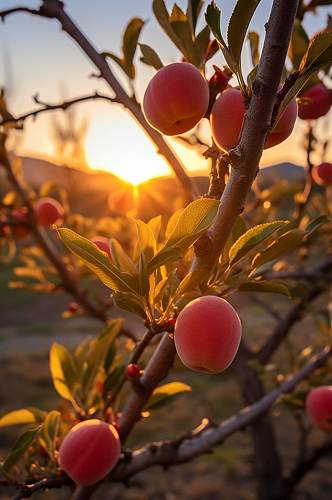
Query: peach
[
  {"x": 322, "y": 173},
  {"x": 207, "y": 334},
  {"x": 20, "y": 231},
  {"x": 48, "y": 211},
  {"x": 102, "y": 243},
  {"x": 176, "y": 99},
  {"x": 90, "y": 451},
  {"x": 318, "y": 104},
  {"x": 319, "y": 407},
  {"x": 121, "y": 201},
  {"x": 227, "y": 119}
]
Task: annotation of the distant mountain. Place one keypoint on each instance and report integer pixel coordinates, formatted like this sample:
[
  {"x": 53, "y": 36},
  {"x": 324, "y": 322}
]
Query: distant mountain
[{"x": 89, "y": 191}]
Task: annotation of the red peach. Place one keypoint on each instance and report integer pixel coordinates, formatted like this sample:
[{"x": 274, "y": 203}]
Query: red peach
[
  {"x": 133, "y": 370},
  {"x": 176, "y": 99},
  {"x": 322, "y": 174},
  {"x": 121, "y": 201},
  {"x": 102, "y": 243},
  {"x": 90, "y": 451},
  {"x": 20, "y": 231},
  {"x": 207, "y": 334},
  {"x": 319, "y": 102},
  {"x": 227, "y": 119},
  {"x": 48, "y": 211},
  {"x": 319, "y": 407}
]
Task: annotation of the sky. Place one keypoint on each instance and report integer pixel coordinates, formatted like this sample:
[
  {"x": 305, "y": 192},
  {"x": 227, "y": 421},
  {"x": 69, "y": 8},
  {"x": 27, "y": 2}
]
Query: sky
[{"x": 36, "y": 57}]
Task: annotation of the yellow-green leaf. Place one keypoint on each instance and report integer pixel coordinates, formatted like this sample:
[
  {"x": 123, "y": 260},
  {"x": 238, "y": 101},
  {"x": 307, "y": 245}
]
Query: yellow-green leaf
[
  {"x": 98, "y": 262},
  {"x": 63, "y": 370},
  {"x": 251, "y": 238},
  {"x": 22, "y": 416},
  {"x": 165, "y": 393}
]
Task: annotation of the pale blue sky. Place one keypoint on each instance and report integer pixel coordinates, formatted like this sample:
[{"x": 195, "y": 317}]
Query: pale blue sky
[{"x": 43, "y": 60}]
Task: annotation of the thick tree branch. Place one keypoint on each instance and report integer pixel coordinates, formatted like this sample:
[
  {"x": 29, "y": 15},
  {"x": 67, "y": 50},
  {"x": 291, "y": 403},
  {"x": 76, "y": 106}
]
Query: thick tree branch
[
  {"x": 305, "y": 466},
  {"x": 54, "y": 9},
  {"x": 246, "y": 156},
  {"x": 201, "y": 440},
  {"x": 284, "y": 326},
  {"x": 45, "y": 107},
  {"x": 205, "y": 437}
]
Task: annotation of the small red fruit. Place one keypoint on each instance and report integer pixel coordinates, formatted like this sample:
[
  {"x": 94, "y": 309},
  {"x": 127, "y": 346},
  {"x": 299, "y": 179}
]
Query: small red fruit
[
  {"x": 318, "y": 103},
  {"x": 133, "y": 370},
  {"x": 207, "y": 334},
  {"x": 319, "y": 407},
  {"x": 102, "y": 243},
  {"x": 176, "y": 98},
  {"x": 20, "y": 231},
  {"x": 90, "y": 451},
  {"x": 48, "y": 211},
  {"x": 322, "y": 174},
  {"x": 227, "y": 120}
]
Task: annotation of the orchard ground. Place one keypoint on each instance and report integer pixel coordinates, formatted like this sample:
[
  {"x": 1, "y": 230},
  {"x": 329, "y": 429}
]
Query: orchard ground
[{"x": 224, "y": 474}]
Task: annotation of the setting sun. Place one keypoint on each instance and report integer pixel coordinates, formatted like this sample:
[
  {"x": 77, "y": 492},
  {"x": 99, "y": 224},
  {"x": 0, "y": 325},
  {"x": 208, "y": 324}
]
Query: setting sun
[{"x": 123, "y": 150}]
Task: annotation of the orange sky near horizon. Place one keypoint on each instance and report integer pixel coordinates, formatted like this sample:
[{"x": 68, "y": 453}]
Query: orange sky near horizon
[{"x": 114, "y": 142}]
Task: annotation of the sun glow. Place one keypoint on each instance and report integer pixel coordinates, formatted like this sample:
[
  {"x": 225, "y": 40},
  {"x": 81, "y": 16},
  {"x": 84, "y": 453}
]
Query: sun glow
[{"x": 121, "y": 148}]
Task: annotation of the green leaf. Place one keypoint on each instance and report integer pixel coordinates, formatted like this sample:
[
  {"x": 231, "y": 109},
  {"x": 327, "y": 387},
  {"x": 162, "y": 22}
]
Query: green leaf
[
  {"x": 165, "y": 393},
  {"x": 146, "y": 240},
  {"x": 18, "y": 450},
  {"x": 251, "y": 238},
  {"x": 253, "y": 38},
  {"x": 238, "y": 25},
  {"x": 96, "y": 356},
  {"x": 155, "y": 226},
  {"x": 212, "y": 17},
  {"x": 192, "y": 223},
  {"x": 202, "y": 43},
  {"x": 23, "y": 416},
  {"x": 49, "y": 431},
  {"x": 150, "y": 56},
  {"x": 181, "y": 27},
  {"x": 270, "y": 286},
  {"x": 129, "y": 44},
  {"x": 130, "y": 302},
  {"x": 98, "y": 262},
  {"x": 298, "y": 44},
  {"x": 113, "y": 379},
  {"x": 193, "y": 10},
  {"x": 318, "y": 55},
  {"x": 63, "y": 371},
  {"x": 238, "y": 229},
  {"x": 121, "y": 259},
  {"x": 173, "y": 220},
  {"x": 317, "y": 223},
  {"x": 161, "y": 13},
  {"x": 287, "y": 242},
  {"x": 319, "y": 51},
  {"x": 190, "y": 281}
]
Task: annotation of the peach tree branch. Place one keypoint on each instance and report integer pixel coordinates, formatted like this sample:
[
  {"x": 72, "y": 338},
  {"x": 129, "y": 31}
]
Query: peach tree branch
[
  {"x": 54, "y": 9},
  {"x": 199, "y": 441},
  {"x": 45, "y": 107},
  {"x": 67, "y": 280}
]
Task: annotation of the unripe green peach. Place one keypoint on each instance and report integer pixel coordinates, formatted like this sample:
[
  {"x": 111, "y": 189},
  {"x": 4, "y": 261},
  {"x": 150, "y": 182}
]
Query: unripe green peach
[
  {"x": 207, "y": 334},
  {"x": 89, "y": 451},
  {"x": 102, "y": 243},
  {"x": 318, "y": 100},
  {"x": 48, "y": 211},
  {"x": 322, "y": 174},
  {"x": 227, "y": 120},
  {"x": 319, "y": 407},
  {"x": 176, "y": 98}
]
